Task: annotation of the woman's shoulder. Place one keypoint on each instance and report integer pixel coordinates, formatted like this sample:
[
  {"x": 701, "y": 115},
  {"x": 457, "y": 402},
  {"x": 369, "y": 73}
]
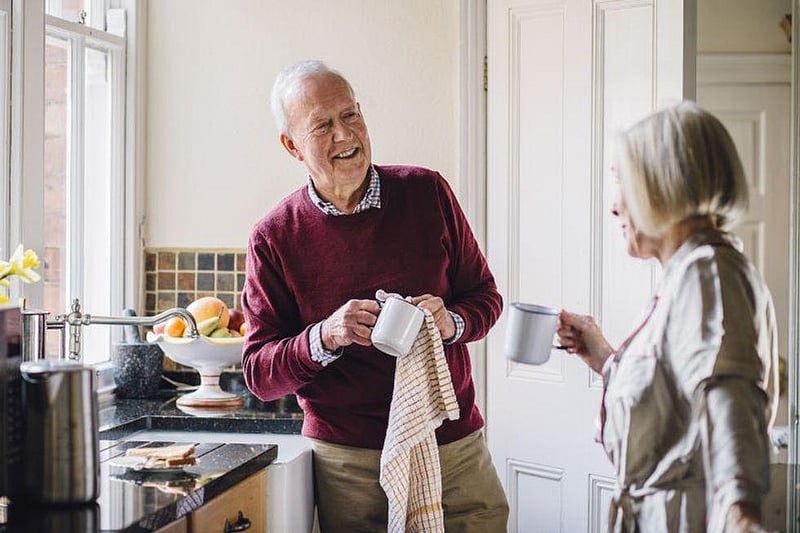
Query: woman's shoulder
[{"x": 722, "y": 265}]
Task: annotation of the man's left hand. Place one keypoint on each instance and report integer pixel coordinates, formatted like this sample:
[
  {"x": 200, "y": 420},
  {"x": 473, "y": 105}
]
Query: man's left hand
[{"x": 434, "y": 304}]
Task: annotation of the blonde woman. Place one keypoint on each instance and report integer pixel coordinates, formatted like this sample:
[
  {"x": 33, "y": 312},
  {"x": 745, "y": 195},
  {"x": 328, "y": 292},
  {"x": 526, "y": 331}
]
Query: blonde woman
[{"x": 689, "y": 395}]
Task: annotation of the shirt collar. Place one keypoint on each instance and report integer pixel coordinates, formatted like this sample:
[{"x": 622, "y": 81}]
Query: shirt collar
[
  {"x": 701, "y": 238},
  {"x": 371, "y": 199}
]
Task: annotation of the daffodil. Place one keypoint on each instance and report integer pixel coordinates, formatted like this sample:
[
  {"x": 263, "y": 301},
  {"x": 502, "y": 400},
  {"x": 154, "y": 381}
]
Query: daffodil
[{"x": 22, "y": 265}]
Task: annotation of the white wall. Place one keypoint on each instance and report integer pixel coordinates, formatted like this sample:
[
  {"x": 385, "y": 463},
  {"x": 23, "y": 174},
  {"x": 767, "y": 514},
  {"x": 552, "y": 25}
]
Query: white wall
[
  {"x": 733, "y": 26},
  {"x": 214, "y": 163}
]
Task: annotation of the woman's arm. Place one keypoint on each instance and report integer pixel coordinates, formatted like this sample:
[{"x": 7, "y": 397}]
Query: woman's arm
[{"x": 735, "y": 452}]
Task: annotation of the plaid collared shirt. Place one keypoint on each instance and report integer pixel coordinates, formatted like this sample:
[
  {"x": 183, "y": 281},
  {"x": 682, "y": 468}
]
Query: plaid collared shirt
[{"x": 371, "y": 200}]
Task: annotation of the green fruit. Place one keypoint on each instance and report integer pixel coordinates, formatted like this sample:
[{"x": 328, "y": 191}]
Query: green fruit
[
  {"x": 220, "y": 333},
  {"x": 207, "y": 326}
]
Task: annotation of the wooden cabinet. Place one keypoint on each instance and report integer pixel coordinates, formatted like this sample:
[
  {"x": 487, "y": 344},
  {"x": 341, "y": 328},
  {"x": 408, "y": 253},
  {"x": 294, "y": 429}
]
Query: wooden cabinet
[
  {"x": 249, "y": 497},
  {"x": 178, "y": 526}
]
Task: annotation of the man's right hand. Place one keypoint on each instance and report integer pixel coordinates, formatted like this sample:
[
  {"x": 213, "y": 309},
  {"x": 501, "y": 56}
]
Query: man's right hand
[{"x": 351, "y": 323}]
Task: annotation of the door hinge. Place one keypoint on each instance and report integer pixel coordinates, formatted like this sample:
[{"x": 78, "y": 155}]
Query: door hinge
[{"x": 485, "y": 73}]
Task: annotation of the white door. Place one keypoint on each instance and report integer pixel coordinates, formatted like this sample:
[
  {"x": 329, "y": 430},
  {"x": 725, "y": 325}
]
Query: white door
[{"x": 564, "y": 77}]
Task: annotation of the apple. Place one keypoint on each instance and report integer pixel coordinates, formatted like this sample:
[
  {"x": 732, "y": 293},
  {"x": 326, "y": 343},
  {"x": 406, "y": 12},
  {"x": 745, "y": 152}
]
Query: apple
[
  {"x": 243, "y": 328},
  {"x": 209, "y": 307},
  {"x": 159, "y": 328},
  {"x": 236, "y": 319}
]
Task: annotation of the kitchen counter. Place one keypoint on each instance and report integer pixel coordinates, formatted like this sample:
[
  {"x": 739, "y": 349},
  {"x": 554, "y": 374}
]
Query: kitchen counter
[
  {"x": 132, "y": 501},
  {"x": 123, "y": 417}
]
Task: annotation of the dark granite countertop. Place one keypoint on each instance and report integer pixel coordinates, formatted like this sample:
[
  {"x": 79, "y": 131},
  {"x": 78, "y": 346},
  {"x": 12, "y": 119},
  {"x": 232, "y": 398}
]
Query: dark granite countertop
[
  {"x": 123, "y": 417},
  {"x": 132, "y": 501}
]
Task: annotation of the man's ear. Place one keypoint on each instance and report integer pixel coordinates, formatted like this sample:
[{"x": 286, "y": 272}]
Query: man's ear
[{"x": 288, "y": 143}]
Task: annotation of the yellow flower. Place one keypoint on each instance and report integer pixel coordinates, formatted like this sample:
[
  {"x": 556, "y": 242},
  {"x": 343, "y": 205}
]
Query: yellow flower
[{"x": 22, "y": 265}]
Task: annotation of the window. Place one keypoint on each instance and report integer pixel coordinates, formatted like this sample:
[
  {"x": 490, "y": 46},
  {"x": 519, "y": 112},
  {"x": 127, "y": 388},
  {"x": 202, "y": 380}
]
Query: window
[
  {"x": 90, "y": 13},
  {"x": 84, "y": 204}
]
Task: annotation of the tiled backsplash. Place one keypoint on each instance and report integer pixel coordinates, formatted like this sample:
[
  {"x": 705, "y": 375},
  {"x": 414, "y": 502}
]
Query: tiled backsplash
[{"x": 178, "y": 276}]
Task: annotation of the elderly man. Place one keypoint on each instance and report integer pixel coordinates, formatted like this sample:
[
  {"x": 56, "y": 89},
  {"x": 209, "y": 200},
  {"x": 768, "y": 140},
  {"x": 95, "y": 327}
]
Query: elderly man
[{"x": 314, "y": 264}]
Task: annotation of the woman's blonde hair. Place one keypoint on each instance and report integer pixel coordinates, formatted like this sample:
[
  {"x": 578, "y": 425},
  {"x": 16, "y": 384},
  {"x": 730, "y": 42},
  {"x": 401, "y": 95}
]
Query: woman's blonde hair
[{"x": 680, "y": 163}]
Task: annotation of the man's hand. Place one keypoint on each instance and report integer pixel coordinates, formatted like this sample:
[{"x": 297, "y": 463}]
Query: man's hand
[
  {"x": 434, "y": 304},
  {"x": 351, "y": 323}
]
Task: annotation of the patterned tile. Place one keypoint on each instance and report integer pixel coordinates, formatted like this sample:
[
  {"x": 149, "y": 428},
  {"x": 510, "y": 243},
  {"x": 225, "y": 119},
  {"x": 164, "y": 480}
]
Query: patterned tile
[
  {"x": 186, "y": 261},
  {"x": 166, "y": 260},
  {"x": 205, "y": 262},
  {"x": 186, "y": 281},
  {"x": 166, "y": 280},
  {"x": 205, "y": 281},
  {"x": 150, "y": 262},
  {"x": 225, "y": 262},
  {"x": 227, "y": 298},
  {"x": 225, "y": 282}
]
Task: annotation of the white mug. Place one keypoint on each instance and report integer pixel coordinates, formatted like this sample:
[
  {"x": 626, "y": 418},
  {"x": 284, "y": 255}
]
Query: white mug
[
  {"x": 397, "y": 326},
  {"x": 530, "y": 332}
]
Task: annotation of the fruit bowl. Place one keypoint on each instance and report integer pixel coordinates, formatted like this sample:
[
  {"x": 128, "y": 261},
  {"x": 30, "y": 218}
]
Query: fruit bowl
[{"x": 208, "y": 356}]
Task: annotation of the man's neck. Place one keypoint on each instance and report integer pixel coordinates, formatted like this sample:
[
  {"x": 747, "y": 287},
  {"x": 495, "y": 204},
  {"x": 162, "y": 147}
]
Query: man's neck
[{"x": 345, "y": 197}]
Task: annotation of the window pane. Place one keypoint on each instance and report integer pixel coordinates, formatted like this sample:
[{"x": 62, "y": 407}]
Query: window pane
[
  {"x": 98, "y": 202},
  {"x": 68, "y": 9},
  {"x": 56, "y": 150}
]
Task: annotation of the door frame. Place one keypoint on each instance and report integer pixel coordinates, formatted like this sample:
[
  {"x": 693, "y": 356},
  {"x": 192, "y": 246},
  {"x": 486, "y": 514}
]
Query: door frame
[{"x": 472, "y": 181}]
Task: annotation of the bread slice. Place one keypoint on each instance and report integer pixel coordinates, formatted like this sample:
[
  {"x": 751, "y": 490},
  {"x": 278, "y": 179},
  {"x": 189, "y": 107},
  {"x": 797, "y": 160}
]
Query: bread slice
[{"x": 178, "y": 451}]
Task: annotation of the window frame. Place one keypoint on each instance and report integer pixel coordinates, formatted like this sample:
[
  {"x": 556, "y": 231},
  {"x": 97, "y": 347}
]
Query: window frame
[
  {"x": 22, "y": 188},
  {"x": 5, "y": 125},
  {"x": 81, "y": 38}
]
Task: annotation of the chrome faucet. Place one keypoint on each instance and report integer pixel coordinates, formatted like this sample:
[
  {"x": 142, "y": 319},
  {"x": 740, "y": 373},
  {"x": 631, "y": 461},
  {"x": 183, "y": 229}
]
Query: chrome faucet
[{"x": 74, "y": 320}]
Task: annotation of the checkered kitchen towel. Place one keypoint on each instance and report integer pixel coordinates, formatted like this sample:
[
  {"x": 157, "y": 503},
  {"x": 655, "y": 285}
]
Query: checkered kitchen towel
[{"x": 423, "y": 398}]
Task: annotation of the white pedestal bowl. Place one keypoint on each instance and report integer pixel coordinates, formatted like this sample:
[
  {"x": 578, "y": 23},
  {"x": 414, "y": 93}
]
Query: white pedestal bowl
[{"x": 209, "y": 356}]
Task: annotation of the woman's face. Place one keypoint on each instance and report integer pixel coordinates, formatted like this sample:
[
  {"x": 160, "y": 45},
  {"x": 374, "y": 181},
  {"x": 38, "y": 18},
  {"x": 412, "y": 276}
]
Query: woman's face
[{"x": 639, "y": 244}]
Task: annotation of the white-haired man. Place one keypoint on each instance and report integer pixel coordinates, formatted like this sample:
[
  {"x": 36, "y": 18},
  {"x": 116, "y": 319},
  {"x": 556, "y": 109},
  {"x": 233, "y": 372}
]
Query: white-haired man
[{"x": 314, "y": 264}]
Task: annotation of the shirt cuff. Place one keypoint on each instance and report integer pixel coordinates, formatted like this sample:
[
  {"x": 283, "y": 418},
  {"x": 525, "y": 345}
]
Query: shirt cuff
[
  {"x": 318, "y": 352},
  {"x": 460, "y": 326}
]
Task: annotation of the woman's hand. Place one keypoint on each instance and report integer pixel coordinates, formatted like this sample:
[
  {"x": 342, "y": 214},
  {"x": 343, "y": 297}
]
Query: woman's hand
[
  {"x": 581, "y": 335},
  {"x": 744, "y": 518}
]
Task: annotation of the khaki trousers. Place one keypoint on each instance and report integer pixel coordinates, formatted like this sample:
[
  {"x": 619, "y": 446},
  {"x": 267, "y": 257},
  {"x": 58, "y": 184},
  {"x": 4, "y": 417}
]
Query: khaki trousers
[{"x": 350, "y": 498}]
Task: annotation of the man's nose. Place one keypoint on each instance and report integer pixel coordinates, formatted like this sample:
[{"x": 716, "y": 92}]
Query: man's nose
[{"x": 341, "y": 132}]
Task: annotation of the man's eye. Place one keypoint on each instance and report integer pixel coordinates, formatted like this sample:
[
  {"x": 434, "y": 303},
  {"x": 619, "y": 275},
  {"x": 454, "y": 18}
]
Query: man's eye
[
  {"x": 322, "y": 128},
  {"x": 351, "y": 116}
]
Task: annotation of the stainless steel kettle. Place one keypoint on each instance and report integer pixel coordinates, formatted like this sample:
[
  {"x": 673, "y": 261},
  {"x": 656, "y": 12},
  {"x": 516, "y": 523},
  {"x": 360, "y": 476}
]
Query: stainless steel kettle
[{"x": 61, "y": 460}]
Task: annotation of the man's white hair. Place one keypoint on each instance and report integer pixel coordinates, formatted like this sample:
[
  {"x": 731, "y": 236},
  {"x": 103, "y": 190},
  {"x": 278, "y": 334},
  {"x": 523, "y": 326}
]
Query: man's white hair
[{"x": 288, "y": 81}]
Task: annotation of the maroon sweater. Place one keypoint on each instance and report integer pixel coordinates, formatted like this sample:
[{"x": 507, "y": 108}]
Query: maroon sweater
[{"x": 303, "y": 264}]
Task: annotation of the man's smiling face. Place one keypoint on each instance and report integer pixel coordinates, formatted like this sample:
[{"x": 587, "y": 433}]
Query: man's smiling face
[{"x": 327, "y": 132}]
